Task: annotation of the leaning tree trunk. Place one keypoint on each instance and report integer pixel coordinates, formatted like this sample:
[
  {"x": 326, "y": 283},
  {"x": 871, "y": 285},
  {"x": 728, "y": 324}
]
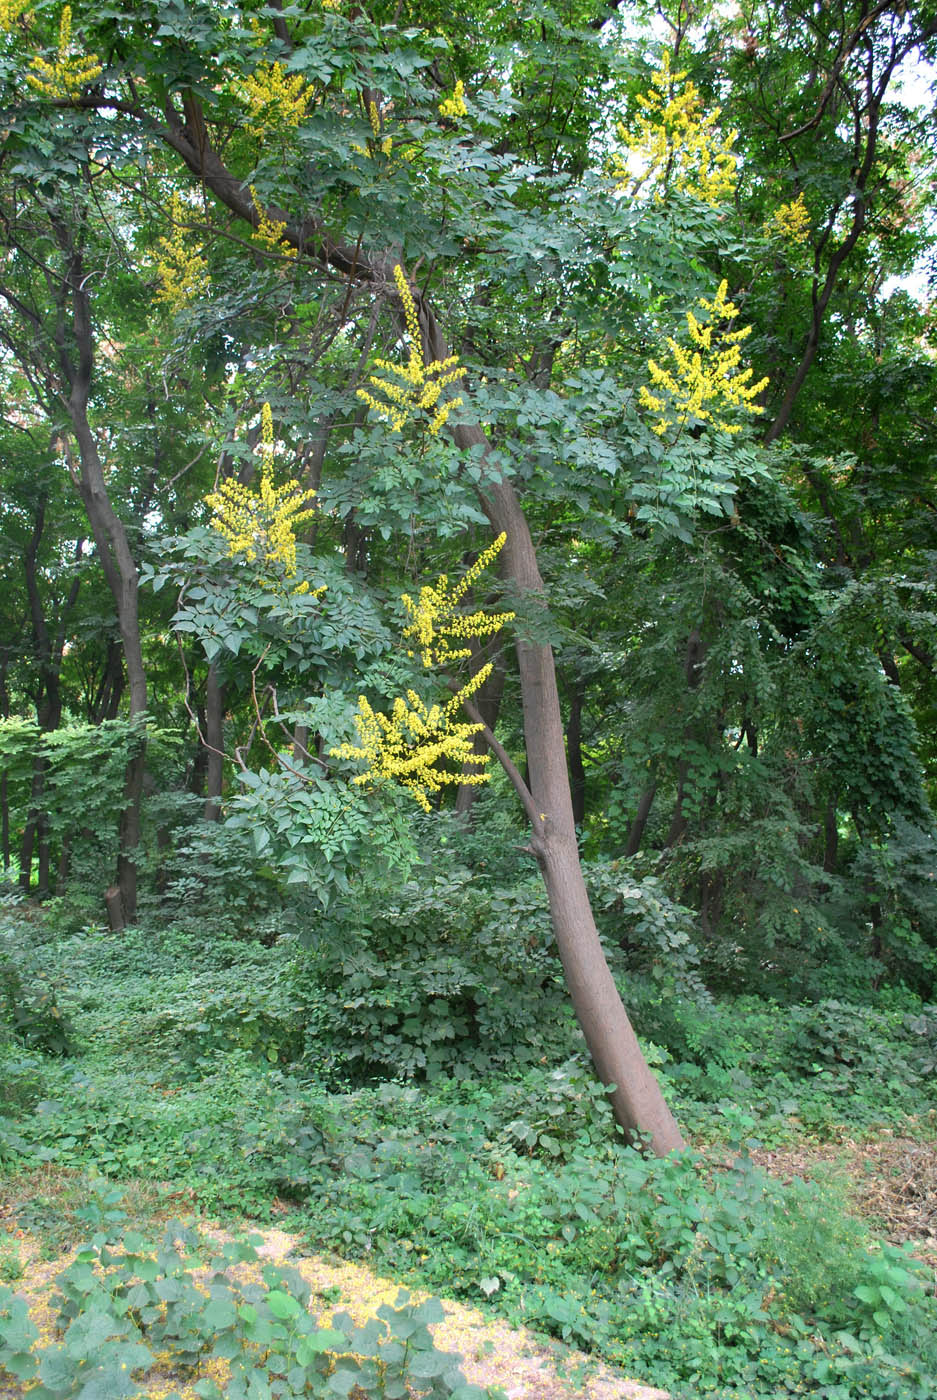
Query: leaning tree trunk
[{"x": 636, "y": 1097}]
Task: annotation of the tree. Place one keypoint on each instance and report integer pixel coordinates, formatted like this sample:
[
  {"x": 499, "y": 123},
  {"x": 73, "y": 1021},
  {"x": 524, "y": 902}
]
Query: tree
[{"x": 478, "y": 267}]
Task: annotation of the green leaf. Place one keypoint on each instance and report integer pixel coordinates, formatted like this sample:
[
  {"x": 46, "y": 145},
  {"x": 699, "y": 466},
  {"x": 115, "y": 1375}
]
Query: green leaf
[{"x": 282, "y": 1305}]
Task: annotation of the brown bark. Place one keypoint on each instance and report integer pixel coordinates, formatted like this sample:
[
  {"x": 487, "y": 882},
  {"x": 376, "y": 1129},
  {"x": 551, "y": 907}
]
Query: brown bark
[
  {"x": 636, "y": 1097},
  {"x": 115, "y": 908},
  {"x": 112, "y": 544}
]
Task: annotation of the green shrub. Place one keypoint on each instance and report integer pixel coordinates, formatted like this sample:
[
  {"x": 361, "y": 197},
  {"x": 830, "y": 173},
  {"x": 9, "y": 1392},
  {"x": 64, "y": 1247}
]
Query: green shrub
[
  {"x": 32, "y": 1010},
  {"x": 444, "y": 977}
]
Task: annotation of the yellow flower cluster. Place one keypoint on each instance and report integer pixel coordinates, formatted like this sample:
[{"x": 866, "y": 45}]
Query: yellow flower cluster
[
  {"x": 276, "y": 102},
  {"x": 68, "y": 73},
  {"x": 454, "y": 106},
  {"x": 408, "y": 745},
  {"x": 331, "y": 4},
  {"x": 676, "y": 143},
  {"x": 411, "y": 743},
  {"x": 183, "y": 272},
  {"x": 269, "y": 232},
  {"x": 705, "y": 381},
  {"x": 420, "y": 384},
  {"x": 10, "y": 11},
  {"x": 790, "y": 221},
  {"x": 262, "y": 523},
  {"x": 435, "y": 620}
]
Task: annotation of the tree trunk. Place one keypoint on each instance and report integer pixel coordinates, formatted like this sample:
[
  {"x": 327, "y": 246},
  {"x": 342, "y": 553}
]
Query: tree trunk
[
  {"x": 577, "y": 772},
  {"x": 636, "y": 1096},
  {"x": 638, "y": 1103},
  {"x": 33, "y": 815},
  {"x": 114, "y": 552},
  {"x": 636, "y": 833},
  {"x": 214, "y": 741},
  {"x": 830, "y": 838}
]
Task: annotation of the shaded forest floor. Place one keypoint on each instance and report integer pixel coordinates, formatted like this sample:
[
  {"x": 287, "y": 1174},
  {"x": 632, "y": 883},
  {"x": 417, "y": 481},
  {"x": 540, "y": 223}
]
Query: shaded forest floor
[{"x": 793, "y": 1249}]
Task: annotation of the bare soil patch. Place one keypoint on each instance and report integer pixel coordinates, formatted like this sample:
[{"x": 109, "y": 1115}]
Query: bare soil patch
[{"x": 891, "y": 1180}]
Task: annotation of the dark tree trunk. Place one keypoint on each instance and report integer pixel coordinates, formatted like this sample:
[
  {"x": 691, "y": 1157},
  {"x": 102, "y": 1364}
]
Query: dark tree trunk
[
  {"x": 636, "y": 832},
  {"x": 830, "y": 838},
  {"x": 28, "y": 838},
  {"x": 866, "y": 117},
  {"x": 214, "y": 742},
  {"x": 577, "y": 772},
  {"x": 488, "y": 703},
  {"x": 114, "y": 553}
]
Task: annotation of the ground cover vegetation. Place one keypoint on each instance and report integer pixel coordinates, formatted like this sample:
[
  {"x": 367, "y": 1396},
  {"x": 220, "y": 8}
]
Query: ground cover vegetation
[{"x": 467, "y": 568}]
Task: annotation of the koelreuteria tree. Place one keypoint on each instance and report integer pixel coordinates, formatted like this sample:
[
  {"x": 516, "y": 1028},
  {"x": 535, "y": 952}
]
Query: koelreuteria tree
[{"x": 449, "y": 251}]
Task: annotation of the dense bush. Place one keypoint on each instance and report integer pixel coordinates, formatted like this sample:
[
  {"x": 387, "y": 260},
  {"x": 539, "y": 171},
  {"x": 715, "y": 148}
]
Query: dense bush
[{"x": 445, "y": 975}]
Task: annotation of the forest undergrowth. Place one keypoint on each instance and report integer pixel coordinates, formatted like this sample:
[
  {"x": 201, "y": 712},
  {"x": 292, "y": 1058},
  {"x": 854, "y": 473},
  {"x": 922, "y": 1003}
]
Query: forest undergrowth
[{"x": 430, "y": 1110}]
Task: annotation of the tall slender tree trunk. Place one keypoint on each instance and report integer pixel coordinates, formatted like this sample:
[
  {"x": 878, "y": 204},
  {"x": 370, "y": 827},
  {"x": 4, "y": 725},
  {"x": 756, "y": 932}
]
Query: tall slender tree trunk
[
  {"x": 638, "y": 826},
  {"x": 214, "y": 742},
  {"x": 577, "y": 772},
  {"x": 114, "y": 552},
  {"x": 636, "y": 1096}
]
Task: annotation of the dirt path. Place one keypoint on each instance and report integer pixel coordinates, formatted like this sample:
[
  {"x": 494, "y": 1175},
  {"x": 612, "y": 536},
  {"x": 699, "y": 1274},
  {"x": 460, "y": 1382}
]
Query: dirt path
[{"x": 526, "y": 1366}]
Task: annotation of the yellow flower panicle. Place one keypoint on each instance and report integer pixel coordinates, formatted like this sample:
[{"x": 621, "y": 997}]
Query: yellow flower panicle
[
  {"x": 676, "y": 143},
  {"x": 277, "y": 103},
  {"x": 331, "y": 4},
  {"x": 410, "y": 745},
  {"x": 790, "y": 221},
  {"x": 706, "y": 380},
  {"x": 68, "y": 73},
  {"x": 417, "y": 386},
  {"x": 435, "y": 620},
  {"x": 269, "y": 232},
  {"x": 10, "y": 11},
  {"x": 454, "y": 107},
  {"x": 183, "y": 272},
  {"x": 261, "y": 524}
]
